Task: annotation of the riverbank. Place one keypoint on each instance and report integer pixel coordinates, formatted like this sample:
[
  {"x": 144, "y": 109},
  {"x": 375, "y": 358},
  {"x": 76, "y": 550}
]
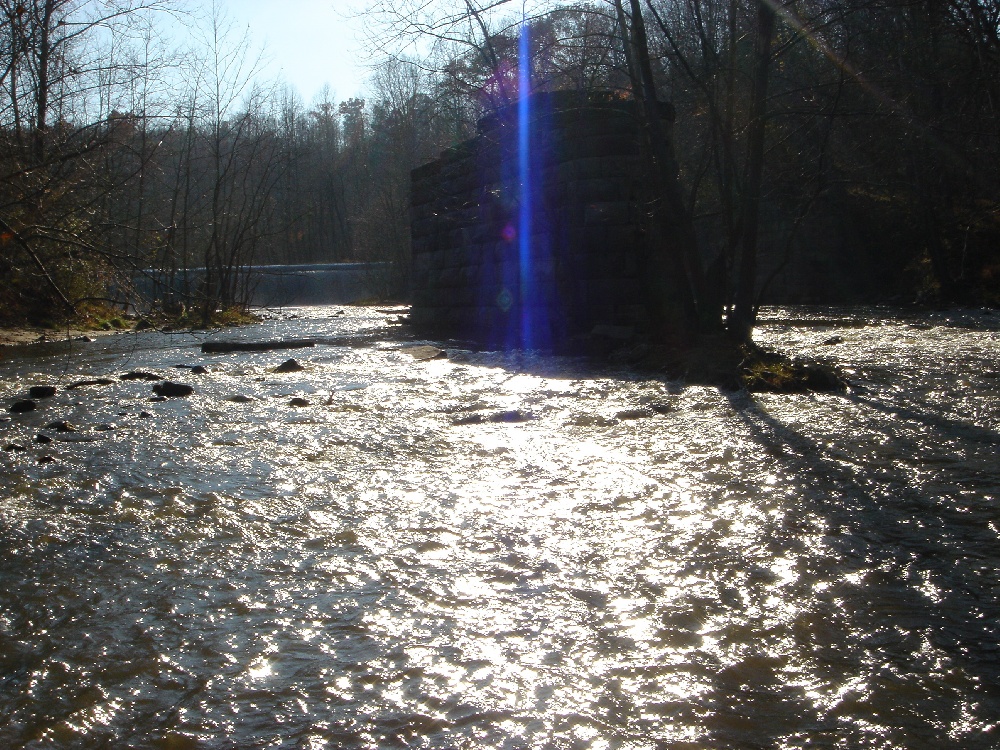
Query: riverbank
[
  {"x": 82, "y": 330},
  {"x": 36, "y": 335}
]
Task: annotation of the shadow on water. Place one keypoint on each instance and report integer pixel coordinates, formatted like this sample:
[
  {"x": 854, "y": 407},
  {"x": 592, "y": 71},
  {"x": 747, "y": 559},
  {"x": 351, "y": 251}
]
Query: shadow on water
[{"x": 912, "y": 620}]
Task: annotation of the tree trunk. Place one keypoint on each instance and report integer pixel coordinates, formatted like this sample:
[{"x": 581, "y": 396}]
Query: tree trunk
[
  {"x": 674, "y": 272},
  {"x": 743, "y": 316}
]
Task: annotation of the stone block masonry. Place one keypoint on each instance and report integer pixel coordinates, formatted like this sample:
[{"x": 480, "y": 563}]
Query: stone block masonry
[{"x": 486, "y": 269}]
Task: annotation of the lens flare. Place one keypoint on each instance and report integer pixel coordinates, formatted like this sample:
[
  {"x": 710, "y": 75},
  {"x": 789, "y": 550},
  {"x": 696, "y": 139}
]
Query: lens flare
[{"x": 524, "y": 178}]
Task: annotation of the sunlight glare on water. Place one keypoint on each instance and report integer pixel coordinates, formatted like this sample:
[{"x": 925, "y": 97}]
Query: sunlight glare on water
[{"x": 503, "y": 550}]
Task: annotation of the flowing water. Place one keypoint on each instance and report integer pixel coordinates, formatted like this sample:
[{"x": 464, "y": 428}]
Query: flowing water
[{"x": 503, "y": 551}]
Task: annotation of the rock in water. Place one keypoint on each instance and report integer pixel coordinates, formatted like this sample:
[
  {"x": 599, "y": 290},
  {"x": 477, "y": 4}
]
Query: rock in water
[
  {"x": 20, "y": 407},
  {"x": 60, "y": 426},
  {"x": 222, "y": 347},
  {"x": 139, "y": 375},
  {"x": 42, "y": 391},
  {"x": 290, "y": 365},
  {"x": 298, "y": 401},
  {"x": 634, "y": 414},
  {"x": 170, "y": 389},
  {"x": 823, "y": 378},
  {"x": 425, "y": 352},
  {"x": 514, "y": 415},
  {"x": 83, "y": 383}
]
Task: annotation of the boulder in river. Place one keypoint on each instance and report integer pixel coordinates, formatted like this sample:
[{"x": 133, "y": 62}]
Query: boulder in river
[
  {"x": 140, "y": 375},
  {"x": 513, "y": 415},
  {"x": 822, "y": 377},
  {"x": 15, "y": 447},
  {"x": 626, "y": 414},
  {"x": 299, "y": 401},
  {"x": 170, "y": 389},
  {"x": 42, "y": 391},
  {"x": 290, "y": 365},
  {"x": 224, "y": 347},
  {"x": 20, "y": 407},
  {"x": 425, "y": 352},
  {"x": 239, "y": 398},
  {"x": 92, "y": 381},
  {"x": 42, "y": 439},
  {"x": 60, "y": 426},
  {"x": 468, "y": 419}
]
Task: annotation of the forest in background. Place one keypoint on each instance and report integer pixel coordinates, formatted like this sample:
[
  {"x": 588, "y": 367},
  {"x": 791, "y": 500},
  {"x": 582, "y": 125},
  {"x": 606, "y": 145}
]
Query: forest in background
[{"x": 830, "y": 151}]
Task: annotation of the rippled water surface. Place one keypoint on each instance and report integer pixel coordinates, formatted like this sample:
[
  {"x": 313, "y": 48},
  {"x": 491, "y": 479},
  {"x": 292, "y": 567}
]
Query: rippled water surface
[{"x": 503, "y": 551}]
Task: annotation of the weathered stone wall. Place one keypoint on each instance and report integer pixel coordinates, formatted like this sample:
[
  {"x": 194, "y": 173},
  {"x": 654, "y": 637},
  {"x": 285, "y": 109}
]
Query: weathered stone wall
[{"x": 472, "y": 274}]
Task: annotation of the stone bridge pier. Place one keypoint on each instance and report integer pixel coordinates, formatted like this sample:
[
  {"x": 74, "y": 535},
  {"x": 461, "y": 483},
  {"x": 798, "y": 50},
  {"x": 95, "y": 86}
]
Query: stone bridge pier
[{"x": 533, "y": 239}]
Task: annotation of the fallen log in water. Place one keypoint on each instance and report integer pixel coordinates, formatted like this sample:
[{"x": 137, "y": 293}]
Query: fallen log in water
[{"x": 223, "y": 347}]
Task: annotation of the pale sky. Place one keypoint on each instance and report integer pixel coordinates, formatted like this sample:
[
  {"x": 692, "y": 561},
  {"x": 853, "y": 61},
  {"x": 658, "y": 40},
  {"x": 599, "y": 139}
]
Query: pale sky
[{"x": 308, "y": 42}]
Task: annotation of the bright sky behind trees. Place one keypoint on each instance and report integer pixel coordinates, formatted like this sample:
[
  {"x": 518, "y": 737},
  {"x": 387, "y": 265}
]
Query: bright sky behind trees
[{"x": 308, "y": 42}]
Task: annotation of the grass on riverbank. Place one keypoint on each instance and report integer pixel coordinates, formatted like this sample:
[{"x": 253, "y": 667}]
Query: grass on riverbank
[{"x": 104, "y": 319}]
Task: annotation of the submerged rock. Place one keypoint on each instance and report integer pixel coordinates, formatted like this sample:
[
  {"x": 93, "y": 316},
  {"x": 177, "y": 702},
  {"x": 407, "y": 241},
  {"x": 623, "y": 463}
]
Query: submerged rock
[
  {"x": 42, "y": 391},
  {"x": 15, "y": 447},
  {"x": 635, "y": 414},
  {"x": 224, "y": 347},
  {"x": 591, "y": 420},
  {"x": 22, "y": 406},
  {"x": 170, "y": 389},
  {"x": 500, "y": 417},
  {"x": 42, "y": 439},
  {"x": 289, "y": 365},
  {"x": 513, "y": 415},
  {"x": 140, "y": 375},
  {"x": 239, "y": 398},
  {"x": 468, "y": 419},
  {"x": 195, "y": 369},
  {"x": 92, "y": 381}
]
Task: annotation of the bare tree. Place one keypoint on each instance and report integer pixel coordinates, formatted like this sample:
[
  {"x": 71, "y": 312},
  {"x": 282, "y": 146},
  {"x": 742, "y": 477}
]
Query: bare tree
[{"x": 58, "y": 60}]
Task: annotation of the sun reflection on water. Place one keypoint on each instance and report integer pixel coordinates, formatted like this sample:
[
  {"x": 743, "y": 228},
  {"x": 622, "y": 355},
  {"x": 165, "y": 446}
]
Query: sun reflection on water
[{"x": 375, "y": 572}]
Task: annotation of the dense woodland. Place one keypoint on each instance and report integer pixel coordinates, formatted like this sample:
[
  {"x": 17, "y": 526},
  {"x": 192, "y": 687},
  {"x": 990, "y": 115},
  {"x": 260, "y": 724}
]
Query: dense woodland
[{"x": 822, "y": 150}]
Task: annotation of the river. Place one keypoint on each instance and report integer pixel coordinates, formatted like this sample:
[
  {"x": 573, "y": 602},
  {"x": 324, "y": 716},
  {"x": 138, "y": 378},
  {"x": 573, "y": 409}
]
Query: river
[{"x": 503, "y": 551}]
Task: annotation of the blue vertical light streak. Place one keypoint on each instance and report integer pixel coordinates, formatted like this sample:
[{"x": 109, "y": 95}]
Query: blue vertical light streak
[{"x": 525, "y": 177}]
